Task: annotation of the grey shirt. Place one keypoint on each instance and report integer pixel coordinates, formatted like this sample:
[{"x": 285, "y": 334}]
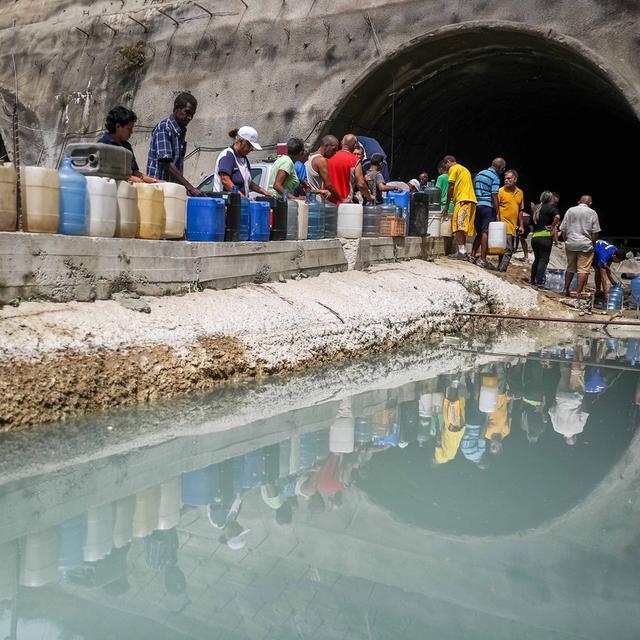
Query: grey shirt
[
  {"x": 578, "y": 226},
  {"x": 313, "y": 177}
]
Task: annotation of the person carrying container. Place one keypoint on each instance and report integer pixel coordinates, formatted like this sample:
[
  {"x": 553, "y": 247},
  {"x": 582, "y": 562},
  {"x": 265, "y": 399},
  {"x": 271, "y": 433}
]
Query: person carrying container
[
  {"x": 233, "y": 168},
  {"x": 461, "y": 193},
  {"x": 283, "y": 177},
  {"x": 604, "y": 254},
  {"x": 169, "y": 144},
  {"x": 511, "y": 208},
  {"x": 119, "y": 125},
  {"x": 318, "y": 166},
  {"x": 375, "y": 179}
]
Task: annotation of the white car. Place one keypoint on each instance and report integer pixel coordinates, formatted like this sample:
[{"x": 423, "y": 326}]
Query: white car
[{"x": 259, "y": 174}]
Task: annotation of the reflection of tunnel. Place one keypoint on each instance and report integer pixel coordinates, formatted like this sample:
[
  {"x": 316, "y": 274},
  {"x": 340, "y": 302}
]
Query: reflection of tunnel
[{"x": 481, "y": 92}]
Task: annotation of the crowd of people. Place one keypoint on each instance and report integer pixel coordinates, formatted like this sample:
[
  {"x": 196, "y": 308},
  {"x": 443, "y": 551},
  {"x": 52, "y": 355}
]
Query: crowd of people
[{"x": 340, "y": 171}]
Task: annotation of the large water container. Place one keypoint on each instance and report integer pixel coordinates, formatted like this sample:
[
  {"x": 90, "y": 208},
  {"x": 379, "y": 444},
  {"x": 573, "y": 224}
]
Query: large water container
[
  {"x": 370, "y": 221},
  {"x": 73, "y": 201},
  {"x": 419, "y": 214},
  {"x": 280, "y": 213},
  {"x": 497, "y": 238},
  {"x": 350, "y": 221},
  {"x": 292, "y": 220},
  {"x": 197, "y": 486},
  {"x": 342, "y": 435},
  {"x": 615, "y": 298},
  {"x": 232, "y": 225},
  {"x": 330, "y": 219},
  {"x": 169, "y": 510},
  {"x": 245, "y": 217},
  {"x": 205, "y": 219},
  {"x": 72, "y": 535},
  {"x": 316, "y": 221},
  {"x": 434, "y": 225},
  {"x": 102, "y": 207},
  {"x": 127, "y": 212},
  {"x": 401, "y": 200},
  {"x": 145, "y": 517},
  {"x": 150, "y": 211},
  {"x": 434, "y": 196},
  {"x": 260, "y": 213},
  {"x": 387, "y": 211},
  {"x": 635, "y": 290},
  {"x": 101, "y": 159},
  {"x": 99, "y": 541},
  {"x": 8, "y": 210},
  {"x": 303, "y": 219},
  {"x": 39, "y": 558},
  {"x": 40, "y": 200},
  {"x": 175, "y": 210},
  {"x": 488, "y": 400},
  {"x": 446, "y": 227}
]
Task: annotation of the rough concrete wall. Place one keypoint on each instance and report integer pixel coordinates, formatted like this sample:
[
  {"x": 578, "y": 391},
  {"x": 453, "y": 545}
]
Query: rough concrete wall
[{"x": 281, "y": 67}]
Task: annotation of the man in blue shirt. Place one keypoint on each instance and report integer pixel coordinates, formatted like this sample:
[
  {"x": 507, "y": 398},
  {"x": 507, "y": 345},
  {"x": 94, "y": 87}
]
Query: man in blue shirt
[
  {"x": 168, "y": 144},
  {"x": 486, "y": 185},
  {"x": 604, "y": 253}
]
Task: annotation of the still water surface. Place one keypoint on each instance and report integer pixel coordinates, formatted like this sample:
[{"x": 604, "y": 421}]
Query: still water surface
[{"x": 495, "y": 501}]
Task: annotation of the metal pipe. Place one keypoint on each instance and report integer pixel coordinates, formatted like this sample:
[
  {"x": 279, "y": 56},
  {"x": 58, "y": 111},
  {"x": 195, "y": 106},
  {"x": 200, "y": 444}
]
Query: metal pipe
[{"x": 505, "y": 316}]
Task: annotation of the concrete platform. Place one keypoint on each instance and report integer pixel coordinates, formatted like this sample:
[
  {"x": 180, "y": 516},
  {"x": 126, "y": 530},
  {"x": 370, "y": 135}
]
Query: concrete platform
[{"x": 64, "y": 268}]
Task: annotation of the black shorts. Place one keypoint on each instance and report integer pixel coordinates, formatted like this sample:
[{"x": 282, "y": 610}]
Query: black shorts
[{"x": 484, "y": 216}]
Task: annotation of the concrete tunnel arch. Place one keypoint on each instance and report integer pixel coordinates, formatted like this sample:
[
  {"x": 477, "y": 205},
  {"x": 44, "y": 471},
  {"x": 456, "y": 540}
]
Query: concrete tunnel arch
[{"x": 546, "y": 102}]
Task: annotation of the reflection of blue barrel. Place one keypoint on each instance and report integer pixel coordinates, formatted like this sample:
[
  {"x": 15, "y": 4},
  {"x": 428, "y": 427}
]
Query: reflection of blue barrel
[
  {"x": 249, "y": 471},
  {"x": 199, "y": 487},
  {"x": 205, "y": 219},
  {"x": 316, "y": 221},
  {"x": 259, "y": 218},
  {"x": 363, "y": 431},
  {"x": 72, "y": 536}
]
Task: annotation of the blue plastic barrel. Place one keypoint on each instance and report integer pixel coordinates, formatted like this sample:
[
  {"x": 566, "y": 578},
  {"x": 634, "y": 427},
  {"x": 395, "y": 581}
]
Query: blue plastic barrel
[
  {"x": 316, "y": 221},
  {"x": 401, "y": 200},
  {"x": 205, "y": 219},
  {"x": 72, "y": 536},
  {"x": 198, "y": 486},
  {"x": 245, "y": 219},
  {"x": 259, "y": 218},
  {"x": 73, "y": 200},
  {"x": 635, "y": 290},
  {"x": 615, "y": 298}
]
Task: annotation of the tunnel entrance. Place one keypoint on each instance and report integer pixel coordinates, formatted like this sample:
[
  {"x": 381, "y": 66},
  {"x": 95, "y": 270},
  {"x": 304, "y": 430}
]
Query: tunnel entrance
[{"x": 481, "y": 92}]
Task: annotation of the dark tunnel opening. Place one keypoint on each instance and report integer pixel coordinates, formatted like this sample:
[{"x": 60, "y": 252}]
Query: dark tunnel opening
[{"x": 479, "y": 93}]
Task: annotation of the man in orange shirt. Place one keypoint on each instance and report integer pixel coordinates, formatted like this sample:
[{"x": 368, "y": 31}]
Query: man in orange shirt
[
  {"x": 340, "y": 166},
  {"x": 511, "y": 203}
]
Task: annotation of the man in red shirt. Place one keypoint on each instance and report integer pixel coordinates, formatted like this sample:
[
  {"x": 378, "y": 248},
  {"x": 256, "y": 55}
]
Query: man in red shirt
[{"x": 340, "y": 167}]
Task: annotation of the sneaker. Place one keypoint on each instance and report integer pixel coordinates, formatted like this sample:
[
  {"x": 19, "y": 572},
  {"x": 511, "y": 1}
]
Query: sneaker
[
  {"x": 458, "y": 256},
  {"x": 473, "y": 259}
]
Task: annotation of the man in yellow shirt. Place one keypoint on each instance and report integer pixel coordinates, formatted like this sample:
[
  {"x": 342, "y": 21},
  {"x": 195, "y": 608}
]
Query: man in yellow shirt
[
  {"x": 463, "y": 196},
  {"x": 511, "y": 203}
]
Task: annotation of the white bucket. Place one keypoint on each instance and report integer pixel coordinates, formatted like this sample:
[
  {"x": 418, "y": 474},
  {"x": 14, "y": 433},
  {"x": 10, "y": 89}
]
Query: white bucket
[
  {"x": 434, "y": 225},
  {"x": 145, "y": 518},
  {"x": 127, "y": 212},
  {"x": 102, "y": 207},
  {"x": 99, "y": 542},
  {"x": 488, "y": 401},
  {"x": 350, "y": 217},
  {"x": 446, "y": 229},
  {"x": 342, "y": 435}
]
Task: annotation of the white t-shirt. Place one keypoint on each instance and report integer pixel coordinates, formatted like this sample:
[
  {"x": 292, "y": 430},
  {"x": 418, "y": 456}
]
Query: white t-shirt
[{"x": 566, "y": 416}]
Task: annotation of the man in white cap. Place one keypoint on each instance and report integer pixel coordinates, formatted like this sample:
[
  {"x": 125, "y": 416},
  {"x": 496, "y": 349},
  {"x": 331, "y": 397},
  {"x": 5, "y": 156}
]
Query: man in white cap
[{"x": 232, "y": 166}]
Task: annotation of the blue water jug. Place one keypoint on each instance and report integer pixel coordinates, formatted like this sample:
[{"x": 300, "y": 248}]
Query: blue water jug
[
  {"x": 72, "y": 535},
  {"x": 635, "y": 290},
  {"x": 205, "y": 219},
  {"x": 316, "y": 220},
  {"x": 259, "y": 228},
  {"x": 245, "y": 219},
  {"x": 73, "y": 200},
  {"x": 615, "y": 298},
  {"x": 401, "y": 200},
  {"x": 330, "y": 219}
]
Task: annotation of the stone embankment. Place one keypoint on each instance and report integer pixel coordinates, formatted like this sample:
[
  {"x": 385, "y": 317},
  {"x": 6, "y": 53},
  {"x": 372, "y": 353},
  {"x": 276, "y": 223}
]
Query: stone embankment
[{"x": 59, "y": 360}]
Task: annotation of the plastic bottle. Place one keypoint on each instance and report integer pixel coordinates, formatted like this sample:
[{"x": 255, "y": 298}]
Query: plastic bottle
[
  {"x": 175, "y": 209},
  {"x": 370, "y": 221},
  {"x": 73, "y": 200},
  {"x": 280, "y": 213},
  {"x": 316, "y": 223},
  {"x": 102, "y": 207},
  {"x": 615, "y": 298},
  {"x": 203, "y": 219},
  {"x": 127, "y": 212},
  {"x": 151, "y": 218},
  {"x": 497, "y": 238},
  {"x": 350, "y": 221},
  {"x": 292, "y": 220},
  {"x": 330, "y": 220},
  {"x": 260, "y": 213}
]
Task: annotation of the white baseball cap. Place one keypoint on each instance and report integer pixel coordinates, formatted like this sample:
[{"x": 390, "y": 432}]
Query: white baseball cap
[{"x": 250, "y": 135}]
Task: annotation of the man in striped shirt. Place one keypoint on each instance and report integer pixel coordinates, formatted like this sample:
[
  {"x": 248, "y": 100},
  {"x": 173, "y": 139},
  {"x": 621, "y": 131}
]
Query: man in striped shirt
[{"x": 487, "y": 186}]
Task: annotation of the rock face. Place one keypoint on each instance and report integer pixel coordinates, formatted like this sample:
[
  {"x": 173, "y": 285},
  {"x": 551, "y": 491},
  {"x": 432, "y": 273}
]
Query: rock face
[{"x": 282, "y": 67}]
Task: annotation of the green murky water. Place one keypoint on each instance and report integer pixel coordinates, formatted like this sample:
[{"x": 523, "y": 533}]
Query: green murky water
[{"x": 498, "y": 500}]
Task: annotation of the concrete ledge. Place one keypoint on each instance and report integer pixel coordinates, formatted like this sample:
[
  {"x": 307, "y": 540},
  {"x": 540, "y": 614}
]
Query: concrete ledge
[
  {"x": 378, "y": 250},
  {"x": 64, "y": 268}
]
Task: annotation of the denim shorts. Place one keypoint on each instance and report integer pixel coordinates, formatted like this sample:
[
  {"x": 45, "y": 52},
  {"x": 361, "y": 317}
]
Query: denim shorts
[{"x": 484, "y": 215}]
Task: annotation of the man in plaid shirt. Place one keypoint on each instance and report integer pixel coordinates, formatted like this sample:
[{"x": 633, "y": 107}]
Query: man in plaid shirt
[{"x": 168, "y": 144}]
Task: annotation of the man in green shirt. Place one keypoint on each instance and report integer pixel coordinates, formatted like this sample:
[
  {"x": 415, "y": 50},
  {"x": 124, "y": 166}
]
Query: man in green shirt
[{"x": 443, "y": 184}]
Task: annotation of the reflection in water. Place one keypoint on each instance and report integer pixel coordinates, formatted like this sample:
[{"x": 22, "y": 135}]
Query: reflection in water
[{"x": 383, "y": 515}]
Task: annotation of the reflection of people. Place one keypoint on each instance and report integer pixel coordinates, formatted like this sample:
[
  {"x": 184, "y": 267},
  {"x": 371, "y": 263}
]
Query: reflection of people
[
  {"x": 453, "y": 430},
  {"x": 567, "y": 415},
  {"x": 498, "y": 423},
  {"x": 473, "y": 445}
]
